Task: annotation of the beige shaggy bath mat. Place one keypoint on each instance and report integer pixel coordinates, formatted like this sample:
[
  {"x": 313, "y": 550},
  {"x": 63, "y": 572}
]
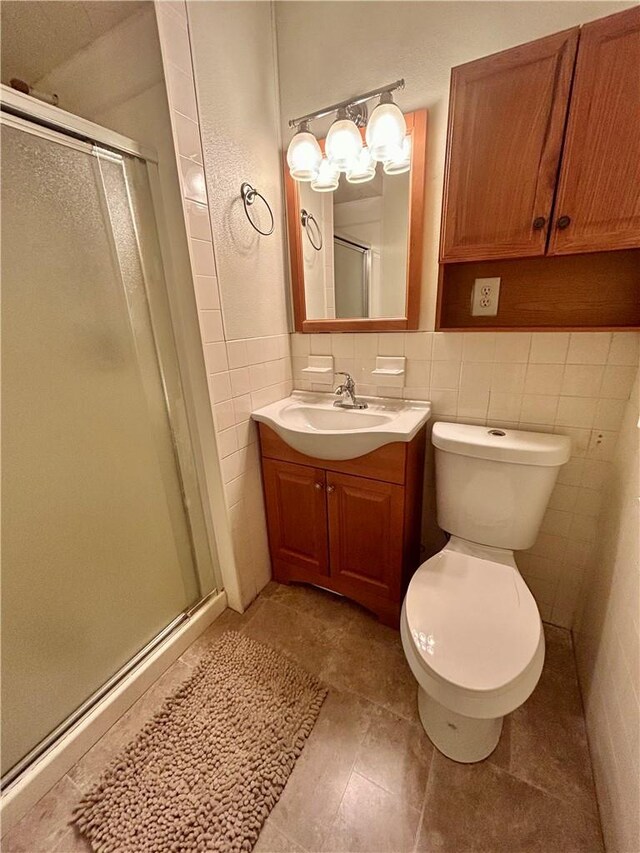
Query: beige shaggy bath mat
[{"x": 207, "y": 769}]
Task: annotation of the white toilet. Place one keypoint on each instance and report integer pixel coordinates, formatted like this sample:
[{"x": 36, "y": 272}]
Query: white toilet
[{"x": 470, "y": 628}]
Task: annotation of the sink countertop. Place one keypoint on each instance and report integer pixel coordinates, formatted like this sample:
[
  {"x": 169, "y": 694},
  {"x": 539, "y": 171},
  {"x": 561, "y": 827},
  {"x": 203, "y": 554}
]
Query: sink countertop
[{"x": 310, "y": 423}]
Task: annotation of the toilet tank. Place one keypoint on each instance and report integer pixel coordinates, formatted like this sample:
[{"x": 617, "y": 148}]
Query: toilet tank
[{"x": 493, "y": 485}]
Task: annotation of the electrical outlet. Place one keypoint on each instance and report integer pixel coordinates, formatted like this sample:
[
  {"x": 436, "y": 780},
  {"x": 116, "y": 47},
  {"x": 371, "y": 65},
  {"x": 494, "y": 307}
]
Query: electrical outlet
[{"x": 485, "y": 297}]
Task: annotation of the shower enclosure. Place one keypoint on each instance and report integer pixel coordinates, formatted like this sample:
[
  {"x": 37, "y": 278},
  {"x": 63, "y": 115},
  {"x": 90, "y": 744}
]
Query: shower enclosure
[{"x": 100, "y": 555}]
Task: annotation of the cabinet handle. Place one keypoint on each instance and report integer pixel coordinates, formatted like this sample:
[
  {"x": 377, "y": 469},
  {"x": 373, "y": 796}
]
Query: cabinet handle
[
  {"x": 563, "y": 222},
  {"x": 319, "y": 486},
  {"x": 331, "y": 489},
  {"x": 539, "y": 223}
]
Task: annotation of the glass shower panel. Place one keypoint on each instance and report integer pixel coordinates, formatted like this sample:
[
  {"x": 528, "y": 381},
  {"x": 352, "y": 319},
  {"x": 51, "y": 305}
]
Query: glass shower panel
[{"x": 96, "y": 546}]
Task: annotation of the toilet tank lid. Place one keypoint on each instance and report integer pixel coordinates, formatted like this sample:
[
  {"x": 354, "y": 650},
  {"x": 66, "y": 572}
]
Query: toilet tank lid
[{"x": 502, "y": 445}]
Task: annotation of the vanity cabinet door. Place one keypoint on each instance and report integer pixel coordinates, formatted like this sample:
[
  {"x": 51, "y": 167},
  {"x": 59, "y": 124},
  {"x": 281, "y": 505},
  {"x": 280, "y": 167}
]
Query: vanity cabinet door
[
  {"x": 365, "y": 535},
  {"x": 598, "y": 204},
  {"x": 296, "y": 515},
  {"x": 506, "y": 121}
]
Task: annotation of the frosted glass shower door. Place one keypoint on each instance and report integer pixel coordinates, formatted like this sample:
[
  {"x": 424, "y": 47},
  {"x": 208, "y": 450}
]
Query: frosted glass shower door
[{"x": 97, "y": 555}]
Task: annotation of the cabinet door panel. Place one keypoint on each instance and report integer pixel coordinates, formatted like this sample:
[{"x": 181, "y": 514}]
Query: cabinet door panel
[
  {"x": 599, "y": 188},
  {"x": 506, "y": 121},
  {"x": 365, "y": 533},
  {"x": 296, "y": 514}
]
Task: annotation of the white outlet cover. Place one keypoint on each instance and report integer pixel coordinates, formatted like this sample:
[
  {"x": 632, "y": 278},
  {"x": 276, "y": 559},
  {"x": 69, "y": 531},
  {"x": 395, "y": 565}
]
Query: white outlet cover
[{"x": 485, "y": 297}]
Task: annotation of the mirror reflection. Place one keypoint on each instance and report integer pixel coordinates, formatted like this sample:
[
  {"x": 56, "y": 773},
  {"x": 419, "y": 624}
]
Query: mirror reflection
[{"x": 354, "y": 247}]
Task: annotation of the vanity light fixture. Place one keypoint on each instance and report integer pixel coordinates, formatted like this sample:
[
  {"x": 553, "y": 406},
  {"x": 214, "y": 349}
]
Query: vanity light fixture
[
  {"x": 343, "y": 146},
  {"x": 386, "y": 129},
  {"x": 304, "y": 154},
  {"x": 327, "y": 178},
  {"x": 364, "y": 168},
  {"x": 400, "y": 160},
  {"x": 343, "y": 142}
]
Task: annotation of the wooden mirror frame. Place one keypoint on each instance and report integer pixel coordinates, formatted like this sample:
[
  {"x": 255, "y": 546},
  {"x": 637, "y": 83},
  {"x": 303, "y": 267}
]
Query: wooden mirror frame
[{"x": 417, "y": 128}]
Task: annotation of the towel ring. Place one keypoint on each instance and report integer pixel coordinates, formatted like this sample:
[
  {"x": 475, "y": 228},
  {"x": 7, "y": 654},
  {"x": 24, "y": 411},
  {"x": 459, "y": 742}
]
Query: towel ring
[
  {"x": 249, "y": 195},
  {"x": 308, "y": 219}
]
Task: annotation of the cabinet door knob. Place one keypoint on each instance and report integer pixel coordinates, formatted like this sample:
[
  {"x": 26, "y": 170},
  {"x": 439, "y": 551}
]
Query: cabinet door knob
[
  {"x": 331, "y": 489},
  {"x": 539, "y": 223},
  {"x": 563, "y": 222},
  {"x": 319, "y": 486}
]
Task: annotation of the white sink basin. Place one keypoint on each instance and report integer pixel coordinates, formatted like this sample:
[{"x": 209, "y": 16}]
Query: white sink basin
[{"x": 312, "y": 425}]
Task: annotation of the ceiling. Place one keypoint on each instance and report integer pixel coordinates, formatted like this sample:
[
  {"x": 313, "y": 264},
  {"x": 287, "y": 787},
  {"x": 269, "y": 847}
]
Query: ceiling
[{"x": 38, "y": 35}]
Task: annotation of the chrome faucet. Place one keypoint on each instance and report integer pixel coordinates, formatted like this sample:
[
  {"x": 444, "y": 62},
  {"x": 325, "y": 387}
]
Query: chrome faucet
[{"x": 347, "y": 392}]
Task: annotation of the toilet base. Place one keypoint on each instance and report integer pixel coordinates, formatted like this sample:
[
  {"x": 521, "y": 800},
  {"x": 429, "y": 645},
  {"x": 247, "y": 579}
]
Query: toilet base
[{"x": 463, "y": 739}]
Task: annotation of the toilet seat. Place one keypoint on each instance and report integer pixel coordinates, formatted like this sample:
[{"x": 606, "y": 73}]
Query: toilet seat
[{"x": 473, "y": 626}]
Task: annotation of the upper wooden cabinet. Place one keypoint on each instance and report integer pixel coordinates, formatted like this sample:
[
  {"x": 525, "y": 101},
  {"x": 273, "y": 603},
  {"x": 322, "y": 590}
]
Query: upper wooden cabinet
[
  {"x": 508, "y": 155},
  {"x": 506, "y": 121},
  {"x": 598, "y": 203}
]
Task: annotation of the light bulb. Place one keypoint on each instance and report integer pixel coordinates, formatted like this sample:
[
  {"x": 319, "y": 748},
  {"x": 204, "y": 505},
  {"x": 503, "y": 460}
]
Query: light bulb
[
  {"x": 304, "y": 154},
  {"x": 343, "y": 142},
  {"x": 327, "y": 178},
  {"x": 386, "y": 129},
  {"x": 363, "y": 170},
  {"x": 400, "y": 160}
]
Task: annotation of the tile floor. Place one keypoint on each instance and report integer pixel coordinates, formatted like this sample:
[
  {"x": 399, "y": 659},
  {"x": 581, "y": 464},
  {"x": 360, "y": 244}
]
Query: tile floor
[{"x": 368, "y": 779}]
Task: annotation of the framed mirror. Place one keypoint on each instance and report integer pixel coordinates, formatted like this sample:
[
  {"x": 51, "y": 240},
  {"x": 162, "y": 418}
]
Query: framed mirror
[{"x": 356, "y": 252}]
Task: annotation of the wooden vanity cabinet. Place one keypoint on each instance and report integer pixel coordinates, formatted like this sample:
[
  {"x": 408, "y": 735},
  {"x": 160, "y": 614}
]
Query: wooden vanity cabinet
[
  {"x": 350, "y": 526},
  {"x": 365, "y": 535},
  {"x": 297, "y": 511}
]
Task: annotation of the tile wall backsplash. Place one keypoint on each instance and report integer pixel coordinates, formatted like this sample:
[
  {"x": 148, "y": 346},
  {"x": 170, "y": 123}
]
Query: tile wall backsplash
[
  {"x": 572, "y": 383},
  {"x": 607, "y": 643}
]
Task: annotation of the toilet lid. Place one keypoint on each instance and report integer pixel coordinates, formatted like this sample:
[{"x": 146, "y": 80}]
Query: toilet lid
[{"x": 473, "y": 621}]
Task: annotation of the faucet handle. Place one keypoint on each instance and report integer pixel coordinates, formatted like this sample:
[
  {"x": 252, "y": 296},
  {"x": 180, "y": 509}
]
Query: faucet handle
[
  {"x": 347, "y": 386},
  {"x": 349, "y": 380}
]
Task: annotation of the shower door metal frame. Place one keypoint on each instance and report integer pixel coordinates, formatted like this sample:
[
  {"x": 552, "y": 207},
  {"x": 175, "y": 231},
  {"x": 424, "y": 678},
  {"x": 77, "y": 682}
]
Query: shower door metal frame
[
  {"x": 71, "y": 125},
  {"x": 48, "y": 122}
]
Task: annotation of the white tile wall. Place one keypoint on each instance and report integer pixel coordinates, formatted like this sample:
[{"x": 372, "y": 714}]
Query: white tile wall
[
  {"x": 576, "y": 384},
  {"x": 607, "y": 632},
  {"x": 242, "y": 374}
]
